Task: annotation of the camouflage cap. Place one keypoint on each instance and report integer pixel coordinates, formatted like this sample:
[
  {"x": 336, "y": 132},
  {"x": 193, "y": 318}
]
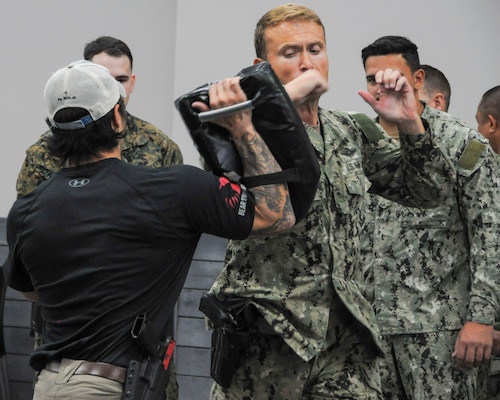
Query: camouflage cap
[{"x": 81, "y": 84}]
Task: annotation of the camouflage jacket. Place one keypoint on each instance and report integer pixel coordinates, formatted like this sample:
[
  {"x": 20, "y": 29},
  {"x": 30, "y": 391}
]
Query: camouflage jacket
[
  {"x": 292, "y": 277},
  {"x": 430, "y": 270},
  {"x": 144, "y": 144}
]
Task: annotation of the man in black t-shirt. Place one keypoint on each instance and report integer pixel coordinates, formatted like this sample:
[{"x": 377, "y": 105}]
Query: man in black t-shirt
[{"x": 103, "y": 241}]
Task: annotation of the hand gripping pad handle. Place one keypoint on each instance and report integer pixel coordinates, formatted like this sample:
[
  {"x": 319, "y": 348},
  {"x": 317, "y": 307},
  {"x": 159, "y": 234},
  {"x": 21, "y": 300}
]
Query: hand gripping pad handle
[{"x": 208, "y": 116}]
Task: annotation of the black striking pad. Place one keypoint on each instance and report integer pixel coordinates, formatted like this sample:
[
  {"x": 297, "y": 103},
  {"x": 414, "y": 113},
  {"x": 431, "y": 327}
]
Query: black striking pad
[{"x": 275, "y": 118}]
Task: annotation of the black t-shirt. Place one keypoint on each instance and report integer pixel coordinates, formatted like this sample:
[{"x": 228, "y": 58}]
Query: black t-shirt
[{"x": 105, "y": 242}]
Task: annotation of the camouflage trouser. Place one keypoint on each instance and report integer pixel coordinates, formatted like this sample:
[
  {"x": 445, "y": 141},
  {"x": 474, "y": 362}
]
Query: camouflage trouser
[
  {"x": 489, "y": 380},
  {"x": 270, "y": 370},
  {"x": 420, "y": 367},
  {"x": 172, "y": 391}
]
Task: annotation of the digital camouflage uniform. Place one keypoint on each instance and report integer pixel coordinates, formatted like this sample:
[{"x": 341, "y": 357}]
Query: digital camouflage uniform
[
  {"x": 489, "y": 374},
  {"x": 306, "y": 283},
  {"x": 489, "y": 380},
  {"x": 430, "y": 271},
  {"x": 492, "y": 377},
  {"x": 143, "y": 144}
]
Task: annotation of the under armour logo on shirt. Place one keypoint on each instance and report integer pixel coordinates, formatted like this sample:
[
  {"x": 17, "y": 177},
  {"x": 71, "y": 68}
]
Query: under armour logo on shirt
[{"x": 78, "y": 182}]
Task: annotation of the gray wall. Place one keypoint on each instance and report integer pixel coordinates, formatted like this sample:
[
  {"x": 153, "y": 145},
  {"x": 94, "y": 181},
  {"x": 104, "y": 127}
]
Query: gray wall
[
  {"x": 179, "y": 45},
  {"x": 38, "y": 37}
]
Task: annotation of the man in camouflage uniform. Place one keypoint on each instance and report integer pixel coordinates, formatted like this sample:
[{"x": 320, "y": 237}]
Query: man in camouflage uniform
[
  {"x": 432, "y": 274},
  {"x": 488, "y": 125},
  {"x": 143, "y": 144},
  {"x": 312, "y": 333}
]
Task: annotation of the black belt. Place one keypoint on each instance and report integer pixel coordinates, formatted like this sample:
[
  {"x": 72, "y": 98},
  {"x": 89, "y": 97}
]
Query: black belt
[{"x": 103, "y": 370}]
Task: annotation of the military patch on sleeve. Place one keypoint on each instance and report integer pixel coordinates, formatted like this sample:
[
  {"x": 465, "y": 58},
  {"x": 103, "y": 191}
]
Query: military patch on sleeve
[{"x": 471, "y": 154}]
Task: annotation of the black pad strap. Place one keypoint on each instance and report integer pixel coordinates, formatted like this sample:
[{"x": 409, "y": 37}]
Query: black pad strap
[{"x": 288, "y": 175}]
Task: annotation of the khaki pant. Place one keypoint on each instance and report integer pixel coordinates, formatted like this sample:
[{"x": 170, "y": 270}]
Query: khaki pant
[{"x": 66, "y": 385}]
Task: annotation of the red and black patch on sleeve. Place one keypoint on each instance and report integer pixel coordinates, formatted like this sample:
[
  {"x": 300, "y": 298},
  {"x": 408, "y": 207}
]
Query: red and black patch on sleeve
[{"x": 233, "y": 195}]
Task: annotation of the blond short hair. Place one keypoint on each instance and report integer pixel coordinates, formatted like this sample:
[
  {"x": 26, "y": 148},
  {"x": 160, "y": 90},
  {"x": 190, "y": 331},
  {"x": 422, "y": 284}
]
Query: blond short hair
[{"x": 278, "y": 15}]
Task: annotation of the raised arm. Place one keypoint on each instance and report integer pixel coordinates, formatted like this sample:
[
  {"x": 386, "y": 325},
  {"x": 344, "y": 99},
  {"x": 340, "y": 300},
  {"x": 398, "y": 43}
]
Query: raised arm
[
  {"x": 273, "y": 208},
  {"x": 397, "y": 101},
  {"x": 306, "y": 88}
]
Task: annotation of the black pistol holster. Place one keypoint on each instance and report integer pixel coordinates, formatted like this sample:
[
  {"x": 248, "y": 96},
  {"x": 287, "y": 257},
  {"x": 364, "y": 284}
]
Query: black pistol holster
[
  {"x": 148, "y": 379},
  {"x": 229, "y": 337},
  {"x": 278, "y": 123}
]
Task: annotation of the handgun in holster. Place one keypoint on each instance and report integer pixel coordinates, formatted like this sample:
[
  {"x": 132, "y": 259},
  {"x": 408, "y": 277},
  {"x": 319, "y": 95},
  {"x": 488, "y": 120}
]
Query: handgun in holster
[
  {"x": 228, "y": 337},
  {"x": 147, "y": 379}
]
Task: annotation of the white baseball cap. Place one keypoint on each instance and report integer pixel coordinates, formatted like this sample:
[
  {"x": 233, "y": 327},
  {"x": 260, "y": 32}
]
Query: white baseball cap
[{"x": 81, "y": 84}]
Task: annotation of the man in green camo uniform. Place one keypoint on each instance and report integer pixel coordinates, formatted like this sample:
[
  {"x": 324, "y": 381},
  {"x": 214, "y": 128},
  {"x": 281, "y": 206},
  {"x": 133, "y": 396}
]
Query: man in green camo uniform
[
  {"x": 433, "y": 274},
  {"x": 312, "y": 334},
  {"x": 143, "y": 144},
  {"x": 488, "y": 125}
]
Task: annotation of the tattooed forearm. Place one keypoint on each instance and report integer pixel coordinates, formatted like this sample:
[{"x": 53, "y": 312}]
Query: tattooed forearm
[
  {"x": 270, "y": 199},
  {"x": 256, "y": 156},
  {"x": 286, "y": 222},
  {"x": 273, "y": 208}
]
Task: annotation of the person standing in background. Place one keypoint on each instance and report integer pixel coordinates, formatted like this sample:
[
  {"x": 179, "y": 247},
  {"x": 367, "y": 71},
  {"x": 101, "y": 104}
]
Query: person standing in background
[
  {"x": 431, "y": 274},
  {"x": 488, "y": 125},
  {"x": 435, "y": 90},
  {"x": 144, "y": 143},
  {"x": 488, "y": 117}
]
